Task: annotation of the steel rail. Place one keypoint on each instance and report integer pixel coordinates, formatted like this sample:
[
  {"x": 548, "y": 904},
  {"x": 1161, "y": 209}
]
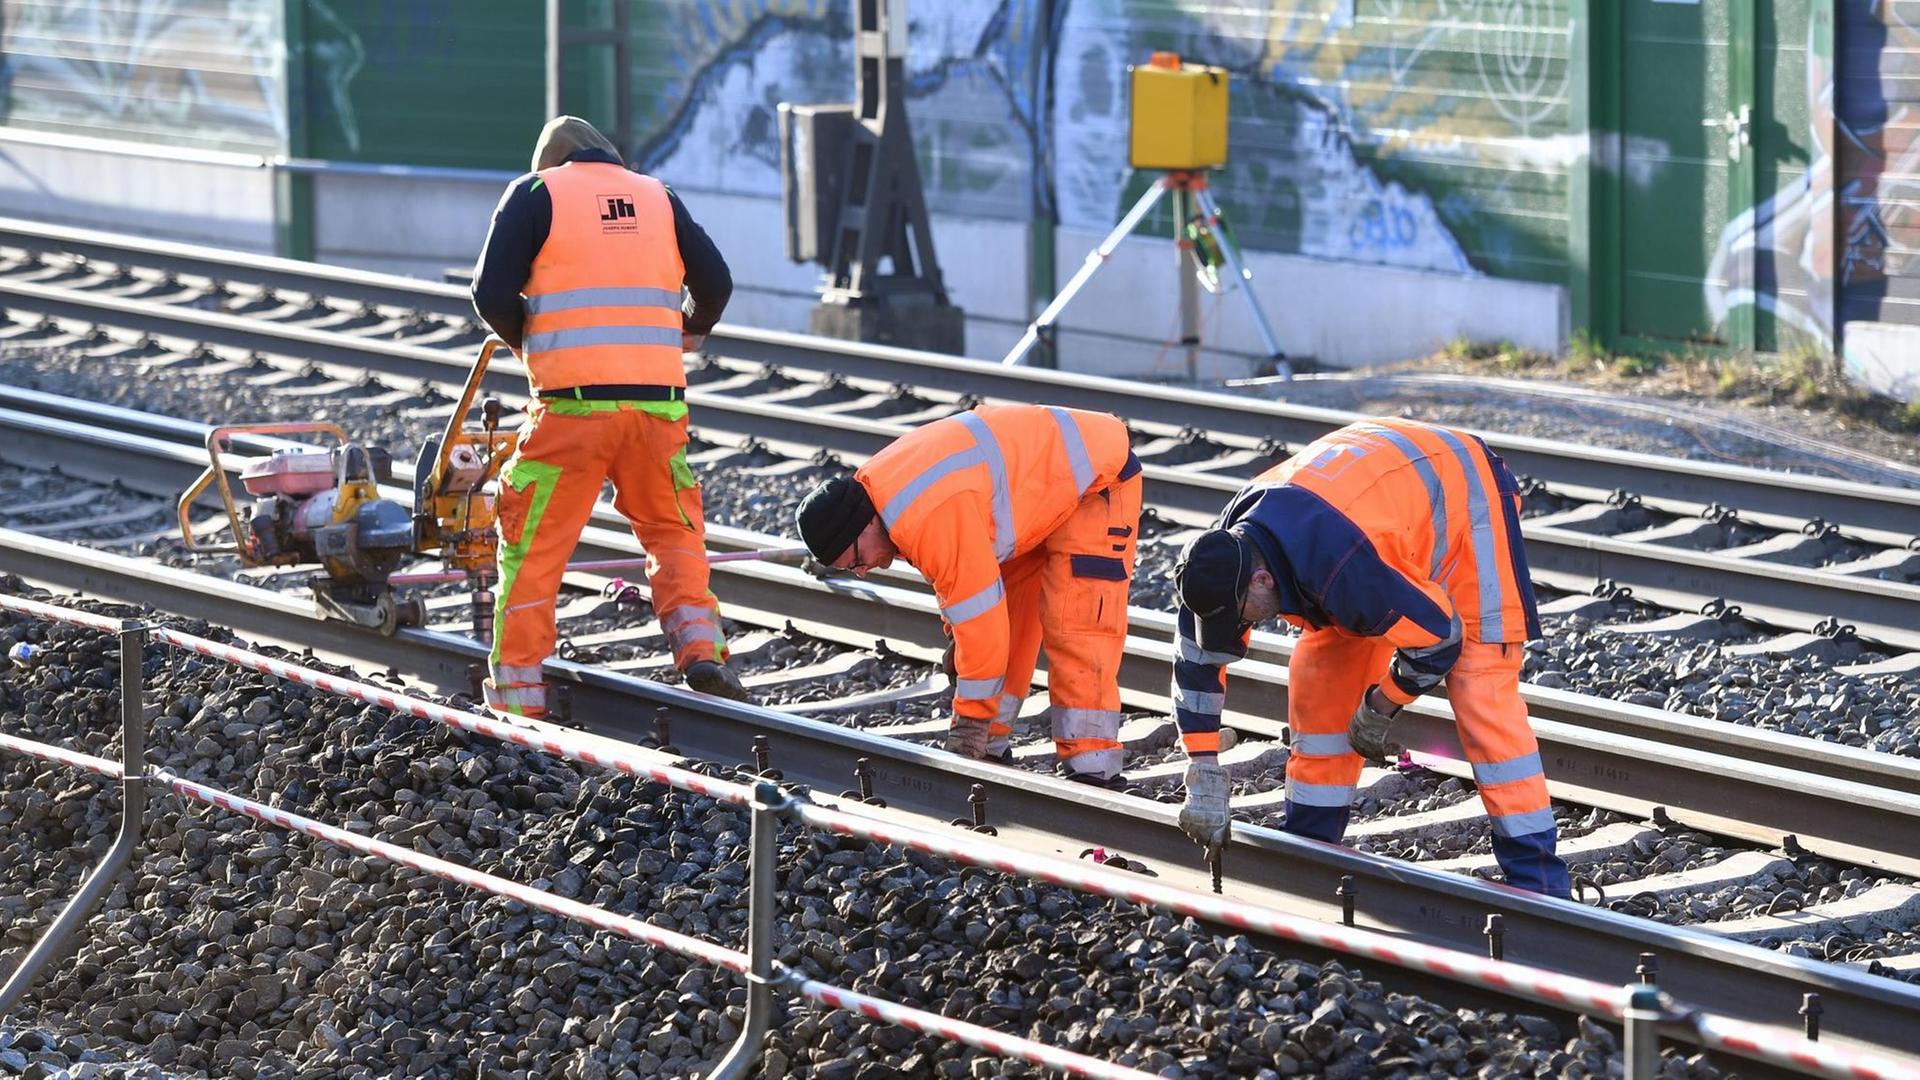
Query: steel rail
[
  {"x": 1757, "y": 745},
  {"x": 1714, "y": 775},
  {"x": 1787, "y": 596},
  {"x": 1885, "y": 515},
  {"x": 1295, "y": 875}
]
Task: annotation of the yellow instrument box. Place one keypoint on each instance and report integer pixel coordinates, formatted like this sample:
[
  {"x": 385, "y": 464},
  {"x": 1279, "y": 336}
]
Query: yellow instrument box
[{"x": 1179, "y": 115}]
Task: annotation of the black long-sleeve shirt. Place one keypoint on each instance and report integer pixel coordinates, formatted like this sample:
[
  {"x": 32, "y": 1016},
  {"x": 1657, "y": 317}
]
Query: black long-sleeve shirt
[{"x": 520, "y": 226}]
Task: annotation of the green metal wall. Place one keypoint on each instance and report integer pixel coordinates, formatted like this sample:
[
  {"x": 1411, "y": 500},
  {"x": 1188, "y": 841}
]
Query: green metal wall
[{"x": 457, "y": 83}]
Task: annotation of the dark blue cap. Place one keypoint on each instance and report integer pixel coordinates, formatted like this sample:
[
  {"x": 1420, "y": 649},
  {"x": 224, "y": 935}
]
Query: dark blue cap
[{"x": 1211, "y": 579}]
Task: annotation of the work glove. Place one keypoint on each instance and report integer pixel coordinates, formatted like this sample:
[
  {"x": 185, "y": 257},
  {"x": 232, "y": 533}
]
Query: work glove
[
  {"x": 1204, "y": 817},
  {"x": 968, "y": 738},
  {"x": 1370, "y": 731},
  {"x": 947, "y": 664}
]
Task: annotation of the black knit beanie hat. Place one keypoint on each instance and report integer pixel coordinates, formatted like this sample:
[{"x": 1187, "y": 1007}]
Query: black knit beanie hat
[{"x": 832, "y": 515}]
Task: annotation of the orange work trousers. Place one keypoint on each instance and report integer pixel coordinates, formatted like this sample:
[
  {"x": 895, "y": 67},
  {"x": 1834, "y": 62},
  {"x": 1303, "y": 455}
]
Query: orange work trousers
[
  {"x": 1330, "y": 671},
  {"x": 547, "y": 494},
  {"x": 1070, "y": 594}
]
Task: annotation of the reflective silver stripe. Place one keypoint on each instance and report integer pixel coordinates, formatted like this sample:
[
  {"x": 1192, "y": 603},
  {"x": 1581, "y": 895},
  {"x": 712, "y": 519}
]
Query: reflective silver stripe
[
  {"x": 1008, "y": 712},
  {"x": 1009, "y": 709},
  {"x": 513, "y": 673},
  {"x": 1191, "y": 652},
  {"x": 928, "y": 477},
  {"x": 587, "y": 336},
  {"x": 683, "y": 636},
  {"x": 1506, "y": 772},
  {"x": 1199, "y": 701},
  {"x": 516, "y": 697},
  {"x": 1430, "y": 477},
  {"x": 569, "y": 299},
  {"x": 1076, "y": 449},
  {"x": 1320, "y": 794},
  {"x": 684, "y": 614},
  {"x": 1424, "y": 680},
  {"x": 976, "y": 605},
  {"x": 1105, "y": 764},
  {"x": 1485, "y": 552},
  {"x": 979, "y": 689},
  {"x": 1533, "y": 821},
  {"x": 1003, "y": 538},
  {"x": 1085, "y": 723},
  {"x": 1322, "y": 745}
]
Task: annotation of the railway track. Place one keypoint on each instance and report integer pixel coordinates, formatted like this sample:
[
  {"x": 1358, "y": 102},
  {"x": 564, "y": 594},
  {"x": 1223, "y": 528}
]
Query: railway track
[
  {"x": 1580, "y": 734},
  {"x": 440, "y": 316},
  {"x": 1618, "y": 774},
  {"x": 1797, "y": 552},
  {"x": 913, "y": 776}
]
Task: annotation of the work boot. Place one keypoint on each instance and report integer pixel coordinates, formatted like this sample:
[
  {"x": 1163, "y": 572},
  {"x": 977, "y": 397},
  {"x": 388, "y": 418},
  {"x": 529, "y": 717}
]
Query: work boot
[
  {"x": 716, "y": 678},
  {"x": 1109, "y": 783}
]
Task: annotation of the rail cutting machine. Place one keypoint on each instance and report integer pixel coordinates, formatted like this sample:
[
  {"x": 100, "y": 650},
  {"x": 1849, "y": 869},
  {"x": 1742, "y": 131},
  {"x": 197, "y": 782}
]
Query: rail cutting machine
[{"x": 322, "y": 504}]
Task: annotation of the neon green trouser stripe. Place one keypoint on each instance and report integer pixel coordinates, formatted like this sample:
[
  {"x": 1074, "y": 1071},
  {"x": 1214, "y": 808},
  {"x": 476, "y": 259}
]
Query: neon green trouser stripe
[
  {"x": 544, "y": 478},
  {"x": 683, "y": 479}
]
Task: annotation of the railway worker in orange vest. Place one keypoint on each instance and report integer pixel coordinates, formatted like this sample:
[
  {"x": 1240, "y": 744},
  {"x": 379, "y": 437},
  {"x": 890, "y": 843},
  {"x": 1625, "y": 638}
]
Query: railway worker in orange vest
[
  {"x": 1396, "y": 546},
  {"x": 1024, "y": 518},
  {"x": 581, "y": 275}
]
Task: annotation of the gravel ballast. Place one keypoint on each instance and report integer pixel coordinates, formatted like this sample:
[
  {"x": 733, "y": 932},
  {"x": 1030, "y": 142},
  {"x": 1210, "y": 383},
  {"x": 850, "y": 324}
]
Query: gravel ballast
[{"x": 236, "y": 951}]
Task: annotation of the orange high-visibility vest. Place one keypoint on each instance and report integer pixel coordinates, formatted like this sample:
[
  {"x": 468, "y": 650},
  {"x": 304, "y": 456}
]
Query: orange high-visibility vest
[
  {"x": 603, "y": 297},
  {"x": 1436, "y": 504},
  {"x": 965, "y": 494}
]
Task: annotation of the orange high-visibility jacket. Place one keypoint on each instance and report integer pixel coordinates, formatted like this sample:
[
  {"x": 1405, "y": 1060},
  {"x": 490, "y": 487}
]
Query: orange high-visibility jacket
[
  {"x": 603, "y": 294},
  {"x": 963, "y": 495},
  {"x": 1440, "y": 512}
]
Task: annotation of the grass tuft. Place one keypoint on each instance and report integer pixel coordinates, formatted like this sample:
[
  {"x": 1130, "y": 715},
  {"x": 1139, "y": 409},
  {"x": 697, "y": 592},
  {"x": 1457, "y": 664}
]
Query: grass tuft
[{"x": 1805, "y": 375}]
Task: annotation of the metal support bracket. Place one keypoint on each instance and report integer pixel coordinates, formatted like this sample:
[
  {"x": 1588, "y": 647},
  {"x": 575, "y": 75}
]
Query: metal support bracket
[
  {"x": 133, "y": 805},
  {"x": 743, "y": 1060}
]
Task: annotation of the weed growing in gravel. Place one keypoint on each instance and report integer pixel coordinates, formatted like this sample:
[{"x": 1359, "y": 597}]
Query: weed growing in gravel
[{"x": 1803, "y": 376}]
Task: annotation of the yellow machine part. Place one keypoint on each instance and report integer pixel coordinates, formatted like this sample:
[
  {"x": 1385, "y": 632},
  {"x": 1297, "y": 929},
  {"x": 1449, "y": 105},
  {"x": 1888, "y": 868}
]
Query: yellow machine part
[
  {"x": 352, "y": 495},
  {"x": 466, "y": 537},
  {"x": 453, "y": 498},
  {"x": 1179, "y": 115}
]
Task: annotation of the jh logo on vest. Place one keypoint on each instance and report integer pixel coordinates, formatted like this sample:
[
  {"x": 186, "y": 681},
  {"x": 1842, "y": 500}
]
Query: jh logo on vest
[{"x": 616, "y": 214}]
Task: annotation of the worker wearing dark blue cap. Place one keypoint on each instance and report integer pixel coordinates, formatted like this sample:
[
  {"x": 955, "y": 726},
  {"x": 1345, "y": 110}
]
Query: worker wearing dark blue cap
[{"x": 1396, "y": 547}]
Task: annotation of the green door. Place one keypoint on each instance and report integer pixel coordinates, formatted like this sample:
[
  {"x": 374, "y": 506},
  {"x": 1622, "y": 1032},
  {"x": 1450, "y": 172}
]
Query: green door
[
  {"x": 1719, "y": 215},
  {"x": 1685, "y": 171}
]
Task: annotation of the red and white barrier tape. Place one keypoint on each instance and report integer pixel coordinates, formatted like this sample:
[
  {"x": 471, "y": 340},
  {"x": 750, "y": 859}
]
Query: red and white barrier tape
[
  {"x": 598, "y": 918},
  {"x": 1786, "y": 1049},
  {"x": 61, "y": 754},
  {"x": 56, "y": 613},
  {"x": 873, "y": 1008},
  {"x": 1775, "y": 1044},
  {"x": 1567, "y": 991},
  {"x": 573, "y": 748},
  {"x": 991, "y": 1041},
  {"x": 596, "y": 566},
  {"x": 559, "y": 744},
  {"x": 1753, "y": 1040}
]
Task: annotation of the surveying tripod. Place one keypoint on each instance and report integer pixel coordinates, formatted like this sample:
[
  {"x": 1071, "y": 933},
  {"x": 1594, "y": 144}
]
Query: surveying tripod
[{"x": 1196, "y": 224}]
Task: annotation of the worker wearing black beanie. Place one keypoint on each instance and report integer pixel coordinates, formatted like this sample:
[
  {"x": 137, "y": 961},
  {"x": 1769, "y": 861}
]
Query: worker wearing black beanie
[
  {"x": 1024, "y": 520},
  {"x": 832, "y": 516}
]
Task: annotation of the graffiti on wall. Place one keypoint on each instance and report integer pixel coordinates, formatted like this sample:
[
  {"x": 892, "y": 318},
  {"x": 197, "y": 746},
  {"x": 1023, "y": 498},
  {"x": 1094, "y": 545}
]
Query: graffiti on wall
[
  {"x": 1347, "y": 142},
  {"x": 200, "y": 73},
  {"x": 715, "y": 78},
  {"x": 1777, "y": 255},
  {"x": 1826, "y": 250}
]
